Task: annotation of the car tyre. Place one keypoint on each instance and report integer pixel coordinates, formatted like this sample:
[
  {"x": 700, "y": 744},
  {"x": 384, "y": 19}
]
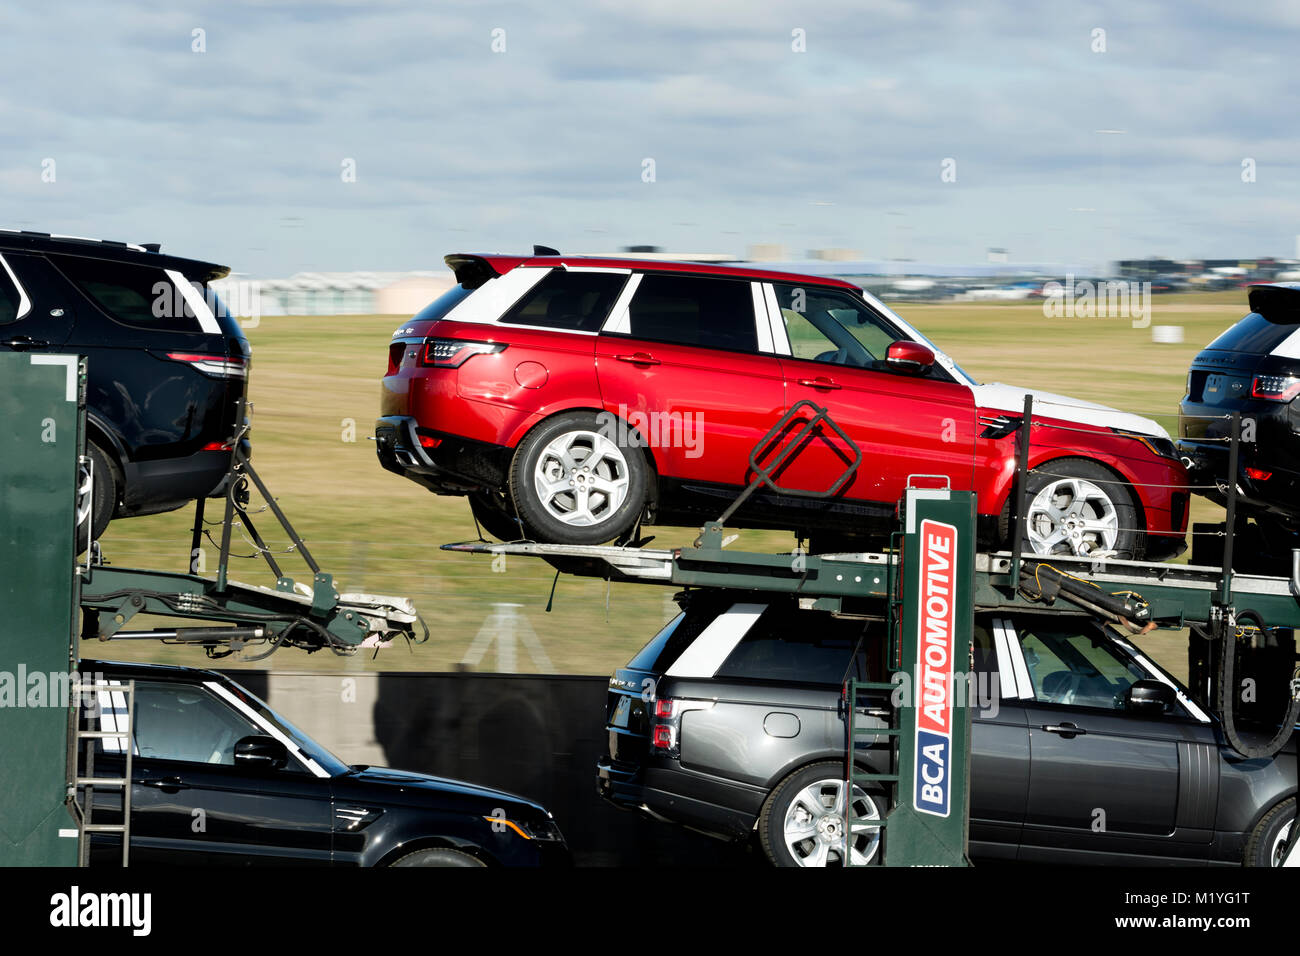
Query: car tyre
[
  {"x": 438, "y": 856},
  {"x": 95, "y": 511},
  {"x": 1271, "y": 837},
  {"x": 576, "y": 480},
  {"x": 1077, "y": 508},
  {"x": 494, "y": 514},
  {"x": 802, "y": 822}
]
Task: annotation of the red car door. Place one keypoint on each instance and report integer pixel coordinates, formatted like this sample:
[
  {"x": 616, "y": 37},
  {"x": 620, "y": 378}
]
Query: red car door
[
  {"x": 904, "y": 423},
  {"x": 682, "y": 361}
]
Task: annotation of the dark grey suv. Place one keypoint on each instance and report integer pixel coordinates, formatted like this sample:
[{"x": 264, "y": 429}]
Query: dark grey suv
[{"x": 731, "y": 721}]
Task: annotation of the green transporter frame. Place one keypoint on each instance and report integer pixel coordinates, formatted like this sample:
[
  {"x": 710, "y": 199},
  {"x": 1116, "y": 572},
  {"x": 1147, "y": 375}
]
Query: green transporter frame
[{"x": 41, "y": 434}]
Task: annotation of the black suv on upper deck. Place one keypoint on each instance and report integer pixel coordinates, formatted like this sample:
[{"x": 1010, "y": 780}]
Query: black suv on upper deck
[
  {"x": 167, "y": 366},
  {"x": 1253, "y": 368}
]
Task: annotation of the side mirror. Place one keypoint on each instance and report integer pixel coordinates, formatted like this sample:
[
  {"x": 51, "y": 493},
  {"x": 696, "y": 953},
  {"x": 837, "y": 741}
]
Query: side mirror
[
  {"x": 909, "y": 356},
  {"x": 1149, "y": 697},
  {"x": 260, "y": 752}
]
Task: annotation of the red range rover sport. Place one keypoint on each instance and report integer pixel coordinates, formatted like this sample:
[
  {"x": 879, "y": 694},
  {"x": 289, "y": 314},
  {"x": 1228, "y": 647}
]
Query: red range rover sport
[{"x": 572, "y": 399}]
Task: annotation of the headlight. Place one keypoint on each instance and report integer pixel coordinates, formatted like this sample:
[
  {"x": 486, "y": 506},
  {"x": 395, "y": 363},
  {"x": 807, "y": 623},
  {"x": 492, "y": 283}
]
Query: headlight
[
  {"x": 1164, "y": 447},
  {"x": 544, "y": 831}
]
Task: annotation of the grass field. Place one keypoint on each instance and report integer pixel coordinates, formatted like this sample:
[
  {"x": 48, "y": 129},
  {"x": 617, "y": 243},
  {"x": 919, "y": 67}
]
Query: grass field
[{"x": 315, "y": 388}]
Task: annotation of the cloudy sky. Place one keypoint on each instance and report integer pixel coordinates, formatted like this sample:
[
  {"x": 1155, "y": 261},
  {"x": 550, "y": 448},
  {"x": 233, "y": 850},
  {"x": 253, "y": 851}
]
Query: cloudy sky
[{"x": 491, "y": 126}]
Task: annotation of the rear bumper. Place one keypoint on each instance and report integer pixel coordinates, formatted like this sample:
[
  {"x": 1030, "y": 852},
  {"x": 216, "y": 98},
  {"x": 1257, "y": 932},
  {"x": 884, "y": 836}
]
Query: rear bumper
[
  {"x": 1270, "y": 441},
  {"x": 714, "y": 807},
  {"x": 165, "y": 484},
  {"x": 447, "y": 465}
]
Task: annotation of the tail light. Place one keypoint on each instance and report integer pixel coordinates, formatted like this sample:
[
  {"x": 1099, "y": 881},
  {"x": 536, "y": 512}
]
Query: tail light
[
  {"x": 395, "y": 352},
  {"x": 1275, "y": 388},
  {"x": 452, "y": 353},
  {"x": 1257, "y": 474},
  {"x": 218, "y": 366},
  {"x": 664, "y": 708},
  {"x": 663, "y": 737}
]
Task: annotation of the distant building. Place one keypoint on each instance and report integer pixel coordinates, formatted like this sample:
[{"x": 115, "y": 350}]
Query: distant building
[
  {"x": 767, "y": 252},
  {"x": 834, "y": 255},
  {"x": 334, "y": 293}
]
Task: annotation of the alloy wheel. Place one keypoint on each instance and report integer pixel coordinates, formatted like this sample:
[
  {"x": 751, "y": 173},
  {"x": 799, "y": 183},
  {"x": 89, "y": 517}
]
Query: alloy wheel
[
  {"x": 581, "y": 478},
  {"x": 818, "y": 827},
  {"x": 1072, "y": 516}
]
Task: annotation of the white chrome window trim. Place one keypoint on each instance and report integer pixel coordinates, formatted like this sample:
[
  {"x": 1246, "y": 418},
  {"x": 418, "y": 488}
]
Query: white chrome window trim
[
  {"x": 716, "y": 642},
  {"x": 780, "y": 340},
  {"x": 619, "y": 320},
  {"x": 486, "y": 304},
  {"x": 762, "y": 318},
  {"x": 271, "y": 731},
  {"x": 24, "y": 303}
]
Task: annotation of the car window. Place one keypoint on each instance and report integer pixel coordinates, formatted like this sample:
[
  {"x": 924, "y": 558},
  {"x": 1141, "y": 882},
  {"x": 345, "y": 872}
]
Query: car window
[
  {"x": 578, "y": 301},
  {"x": 825, "y": 325},
  {"x": 440, "y": 306},
  {"x": 689, "y": 310},
  {"x": 803, "y": 647},
  {"x": 175, "y": 721},
  {"x": 1081, "y": 668},
  {"x": 133, "y": 295},
  {"x": 1254, "y": 334}
]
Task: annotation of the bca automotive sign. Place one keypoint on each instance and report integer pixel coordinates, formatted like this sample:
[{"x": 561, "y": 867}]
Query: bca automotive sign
[{"x": 936, "y": 617}]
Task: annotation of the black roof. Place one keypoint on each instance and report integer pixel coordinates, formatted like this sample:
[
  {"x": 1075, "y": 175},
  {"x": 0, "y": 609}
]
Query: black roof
[
  {"x": 133, "y": 253},
  {"x": 132, "y": 669}
]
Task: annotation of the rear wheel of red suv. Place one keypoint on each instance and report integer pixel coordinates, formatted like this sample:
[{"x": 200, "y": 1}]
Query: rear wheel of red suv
[{"x": 576, "y": 480}]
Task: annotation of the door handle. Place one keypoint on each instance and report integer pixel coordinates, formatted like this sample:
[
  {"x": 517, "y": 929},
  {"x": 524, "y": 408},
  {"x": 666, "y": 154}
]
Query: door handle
[
  {"x": 821, "y": 381},
  {"x": 1065, "y": 729},
  {"x": 639, "y": 358},
  {"x": 167, "y": 784},
  {"x": 20, "y": 343}
]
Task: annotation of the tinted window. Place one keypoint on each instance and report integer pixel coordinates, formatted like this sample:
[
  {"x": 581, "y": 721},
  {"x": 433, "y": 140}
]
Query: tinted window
[
  {"x": 712, "y": 313},
  {"x": 1254, "y": 334},
  {"x": 1083, "y": 669},
  {"x": 443, "y": 304},
  {"x": 9, "y": 298},
  {"x": 185, "y": 722},
  {"x": 134, "y": 295},
  {"x": 579, "y": 301},
  {"x": 801, "y": 647}
]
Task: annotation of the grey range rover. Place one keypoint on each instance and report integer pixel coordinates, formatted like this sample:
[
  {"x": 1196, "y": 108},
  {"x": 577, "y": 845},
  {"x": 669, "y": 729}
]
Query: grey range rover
[{"x": 731, "y": 721}]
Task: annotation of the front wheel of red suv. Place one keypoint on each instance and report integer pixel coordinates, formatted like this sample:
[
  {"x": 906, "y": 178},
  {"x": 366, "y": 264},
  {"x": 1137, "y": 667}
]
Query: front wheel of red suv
[
  {"x": 576, "y": 480},
  {"x": 1079, "y": 508}
]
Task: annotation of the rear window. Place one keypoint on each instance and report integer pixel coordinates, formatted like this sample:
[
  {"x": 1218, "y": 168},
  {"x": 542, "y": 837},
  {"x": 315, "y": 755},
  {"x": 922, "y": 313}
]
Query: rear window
[
  {"x": 687, "y": 310},
  {"x": 133, "y": 295},
  {"x": 1254, "y": 334},
  {"x": 575, "y": 301},
  {"x": 440, "y": 306},
  {"x": 809, "y": 647},
  {"x": 666, "y": 646}
]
